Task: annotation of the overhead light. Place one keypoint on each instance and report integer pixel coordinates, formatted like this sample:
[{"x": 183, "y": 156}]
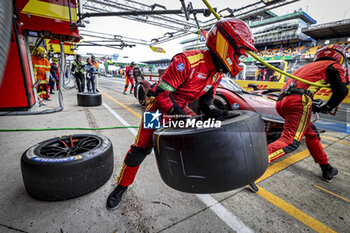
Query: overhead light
[
  {"x": 154, "y": 40},
  {"x": 117, "y": 37},
  {"x": 226, "y": 12},
  {"x": 157, "y": 6},
  {"x": 326, "y": 42},
  {"x": 169, "y": 34},
  {"x": 269, "y": 2},
  {"x": 207, "y": 12}
]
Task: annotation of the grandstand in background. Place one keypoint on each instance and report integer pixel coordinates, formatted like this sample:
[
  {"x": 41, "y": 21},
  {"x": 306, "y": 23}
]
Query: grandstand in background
[
  {"x": 281, "y": 35},
  {"x": 337, "y": 32}
]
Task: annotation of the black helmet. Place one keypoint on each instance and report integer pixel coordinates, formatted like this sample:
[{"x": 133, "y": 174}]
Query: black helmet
[
  {"x": 88, "y": 59},
  {"x": 132, "y": 63},
  {"x": 93, "y": 57},
  {"x": 78, "y": 56}
]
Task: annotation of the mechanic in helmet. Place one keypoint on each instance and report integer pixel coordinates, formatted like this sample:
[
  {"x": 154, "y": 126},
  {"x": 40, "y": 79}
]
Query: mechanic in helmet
[
  {"x": 129, "y": 76},
  {"x": 78, "y": 69},
  {"x": 41, "y": 68},
  {"x": 54, "y": 75},
  {"x": 191, "y": 75},
  {"x": 295, "y": 106}
]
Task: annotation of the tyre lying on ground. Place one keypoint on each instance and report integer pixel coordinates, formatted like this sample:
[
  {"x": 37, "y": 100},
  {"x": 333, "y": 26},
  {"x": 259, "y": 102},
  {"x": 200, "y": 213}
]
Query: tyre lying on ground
[
  {"x": 211, "y": 160},
  {"x": 66, "y": 167},
  {"x": 89, "y": 99}
]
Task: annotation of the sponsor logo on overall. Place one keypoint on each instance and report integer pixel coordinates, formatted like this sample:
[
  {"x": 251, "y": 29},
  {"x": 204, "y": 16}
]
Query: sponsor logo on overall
[
  {"x": 206, "y": 89},
  {"x": 180, "y": 67},
  {"x": 201, "y": 75},
  {"x": 151, "y": 120}
]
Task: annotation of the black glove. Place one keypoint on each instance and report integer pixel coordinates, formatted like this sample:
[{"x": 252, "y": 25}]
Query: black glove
[
  {"x": 324, "y": 108},
  {"x": 216, "y": 113},
  {"x": 221, "y": 114},
  {"x": 232, "y": 114}
]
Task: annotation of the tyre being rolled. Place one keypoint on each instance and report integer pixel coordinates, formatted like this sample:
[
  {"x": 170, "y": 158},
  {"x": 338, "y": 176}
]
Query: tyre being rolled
[
  {"x": 66, "y": 167},
  {"x": 89, "y": 99},
  {"x": 211, "y": 160}
]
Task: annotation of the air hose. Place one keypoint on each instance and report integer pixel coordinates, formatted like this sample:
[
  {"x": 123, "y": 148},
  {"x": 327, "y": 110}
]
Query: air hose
[
  {"x": 69, "y": 128},
  {"x": 265, "y": 63}
]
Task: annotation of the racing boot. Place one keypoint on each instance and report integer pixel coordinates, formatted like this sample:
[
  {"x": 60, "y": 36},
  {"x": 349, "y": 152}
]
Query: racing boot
[
  {"x": 130, "y": 92},
  {"x": 328, "y": 172},
  {"x": 253, "y": 187},
  {"x": 115, "y": 197},
  {"x": 124, "y": 93}
]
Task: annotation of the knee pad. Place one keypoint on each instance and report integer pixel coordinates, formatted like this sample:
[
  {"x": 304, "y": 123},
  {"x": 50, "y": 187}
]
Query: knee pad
[
  {"x": 292, "y": 147},
  {"x": 136, "y": 155}
]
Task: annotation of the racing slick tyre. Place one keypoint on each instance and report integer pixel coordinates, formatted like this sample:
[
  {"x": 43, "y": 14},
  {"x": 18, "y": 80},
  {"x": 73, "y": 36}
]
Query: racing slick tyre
[
  {"x": 136, "y": 88},
  {"x": 66, "y": 167},
  {"x": 212, "y": 160},
  {"x": 141, "y": 96},
  {"x": 89, "y": 99},
  {"x": 221, "y": 103}
]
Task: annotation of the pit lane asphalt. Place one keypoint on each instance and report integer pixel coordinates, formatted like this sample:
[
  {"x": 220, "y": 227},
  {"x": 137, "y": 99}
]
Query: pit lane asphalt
[{"x": 292, "y": 197}]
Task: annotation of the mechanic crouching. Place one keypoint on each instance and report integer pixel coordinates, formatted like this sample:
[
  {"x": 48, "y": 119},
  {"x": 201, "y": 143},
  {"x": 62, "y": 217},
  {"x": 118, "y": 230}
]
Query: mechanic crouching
[
  {"x": 191, "y": 75},
  {"x": 295, "y": 106}
]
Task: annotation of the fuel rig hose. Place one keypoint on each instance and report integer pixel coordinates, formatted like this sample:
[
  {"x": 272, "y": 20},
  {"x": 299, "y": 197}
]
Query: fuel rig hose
[
  {"x": 265, "y": 63},
  {"x": 69, "y": 128}
]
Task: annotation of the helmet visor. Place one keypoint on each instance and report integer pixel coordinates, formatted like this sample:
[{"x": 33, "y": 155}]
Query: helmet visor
[{"x": 228, "y": 55}]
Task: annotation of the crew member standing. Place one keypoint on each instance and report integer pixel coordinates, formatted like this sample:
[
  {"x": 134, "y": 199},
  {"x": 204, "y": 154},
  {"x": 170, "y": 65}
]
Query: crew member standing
[
  {"x": 78, "y": 68},
  {"x": 190, "y": 75},
  {"x": 295, "y": 106},
  {"x": 129, "y": 76},
  {"x": 90, "y": 76},
  {"x": 95, "y": 71},
  {"x": 41, "y": 68},
  {"x": 54, "y": 75}
]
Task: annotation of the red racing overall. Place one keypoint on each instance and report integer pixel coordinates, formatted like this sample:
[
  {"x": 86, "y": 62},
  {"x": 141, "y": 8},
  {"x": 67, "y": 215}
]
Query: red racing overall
[
  {"x": 296, "y": 110},
  {"x": 129, "y": 76},
  {"x": 190, "y": 75}
]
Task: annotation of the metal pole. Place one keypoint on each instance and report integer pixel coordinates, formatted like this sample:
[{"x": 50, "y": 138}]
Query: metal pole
[
  {"x": 185, "y": 9},
  {"x": 62, "y": 71},
  {"x": 135, "y": 13}
]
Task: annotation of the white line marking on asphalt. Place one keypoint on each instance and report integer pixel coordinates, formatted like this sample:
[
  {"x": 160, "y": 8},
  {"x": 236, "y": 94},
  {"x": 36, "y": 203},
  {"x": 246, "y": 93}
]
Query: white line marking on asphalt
[
  {"x": 231, "y": 220},
  {"x": 224, "y": 214},
  {"x": 114, "y": 113}
]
